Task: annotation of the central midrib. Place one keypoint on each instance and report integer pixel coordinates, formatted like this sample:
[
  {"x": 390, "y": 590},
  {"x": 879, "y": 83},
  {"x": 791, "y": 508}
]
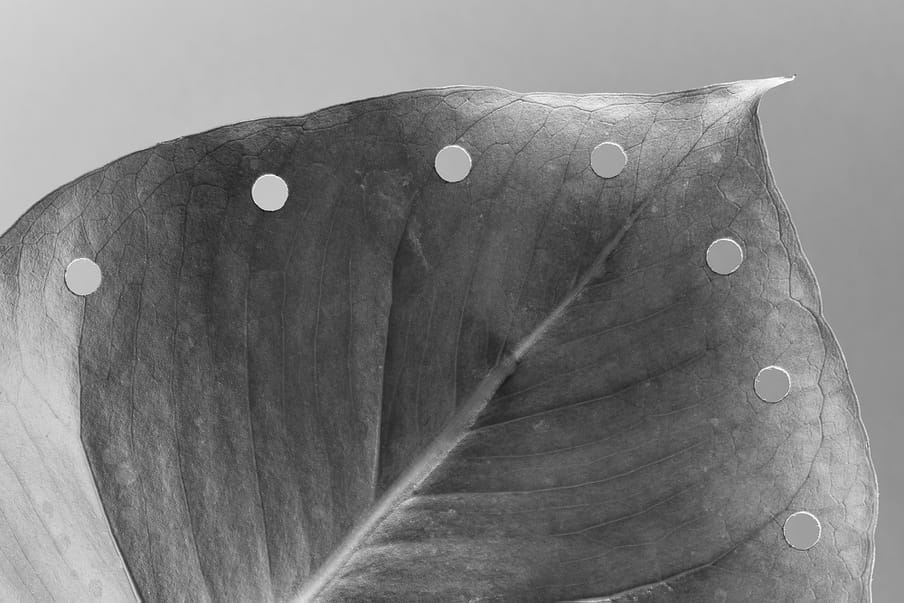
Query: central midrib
[
  {"x": 458, "y": 426},
  {"x": 464, "y": 418}
]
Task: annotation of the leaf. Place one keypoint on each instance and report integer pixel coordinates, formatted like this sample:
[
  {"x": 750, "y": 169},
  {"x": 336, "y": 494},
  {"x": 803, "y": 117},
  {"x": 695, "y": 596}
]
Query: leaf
[{"x": 526, "y": 385}]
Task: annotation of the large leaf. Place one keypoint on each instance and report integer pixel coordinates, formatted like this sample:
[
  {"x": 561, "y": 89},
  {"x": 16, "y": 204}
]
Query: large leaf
[{"x": 523, "y": 386}]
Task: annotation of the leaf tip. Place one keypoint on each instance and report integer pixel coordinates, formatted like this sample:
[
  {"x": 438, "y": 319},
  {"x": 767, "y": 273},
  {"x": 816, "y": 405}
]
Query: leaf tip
[{"x": 754, "y": 90}]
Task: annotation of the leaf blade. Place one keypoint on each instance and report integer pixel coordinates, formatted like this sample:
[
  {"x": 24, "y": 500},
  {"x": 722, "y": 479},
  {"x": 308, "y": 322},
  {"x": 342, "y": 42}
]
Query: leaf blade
[{"x": 249, "y": 384}]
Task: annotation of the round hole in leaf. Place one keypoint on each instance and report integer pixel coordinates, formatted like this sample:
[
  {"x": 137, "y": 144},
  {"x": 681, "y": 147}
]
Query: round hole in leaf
[
  {"x": 802, "y": 530},
  {"x": 772, "y": 384},
  {"x": 724, "y": 256},
  {"x": 453, "y": 163},
  {"x": 608, "y": 159},
  {"x": 269, "y": 192},
  {"x": 82, "y": 276}
]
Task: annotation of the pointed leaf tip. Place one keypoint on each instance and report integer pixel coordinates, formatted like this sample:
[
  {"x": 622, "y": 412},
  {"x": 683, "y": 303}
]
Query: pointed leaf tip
[{"x": 755, "y": 89}]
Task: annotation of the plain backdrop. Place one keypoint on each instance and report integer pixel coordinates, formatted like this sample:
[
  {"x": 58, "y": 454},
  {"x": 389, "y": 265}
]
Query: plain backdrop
[{"x": 83, "y": 83}]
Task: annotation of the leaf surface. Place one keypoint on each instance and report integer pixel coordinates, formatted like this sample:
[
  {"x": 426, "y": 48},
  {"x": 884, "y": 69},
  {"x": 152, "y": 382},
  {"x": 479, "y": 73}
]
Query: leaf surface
[{"x": 523, "y": 386}]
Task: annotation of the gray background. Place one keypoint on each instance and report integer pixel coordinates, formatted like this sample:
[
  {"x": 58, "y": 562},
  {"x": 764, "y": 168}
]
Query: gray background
[{"x": 84, "y": 83}]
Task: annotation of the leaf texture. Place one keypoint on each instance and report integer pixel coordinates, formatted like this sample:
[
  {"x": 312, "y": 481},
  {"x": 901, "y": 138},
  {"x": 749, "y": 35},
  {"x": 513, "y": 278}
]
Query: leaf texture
[{"x": 523, "y": 386}]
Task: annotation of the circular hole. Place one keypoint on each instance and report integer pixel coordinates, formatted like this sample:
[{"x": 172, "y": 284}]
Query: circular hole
[
  {"x": 82, "y": 276},
  {"x": 608, "y": 159},
  {"x": 772, "y": 384},
  {"x": 724, "y": 256},
  {"x": 269, "y": 192},
  {"x": 802, "y": 530},
  {"x": 452, "y": 163}
]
